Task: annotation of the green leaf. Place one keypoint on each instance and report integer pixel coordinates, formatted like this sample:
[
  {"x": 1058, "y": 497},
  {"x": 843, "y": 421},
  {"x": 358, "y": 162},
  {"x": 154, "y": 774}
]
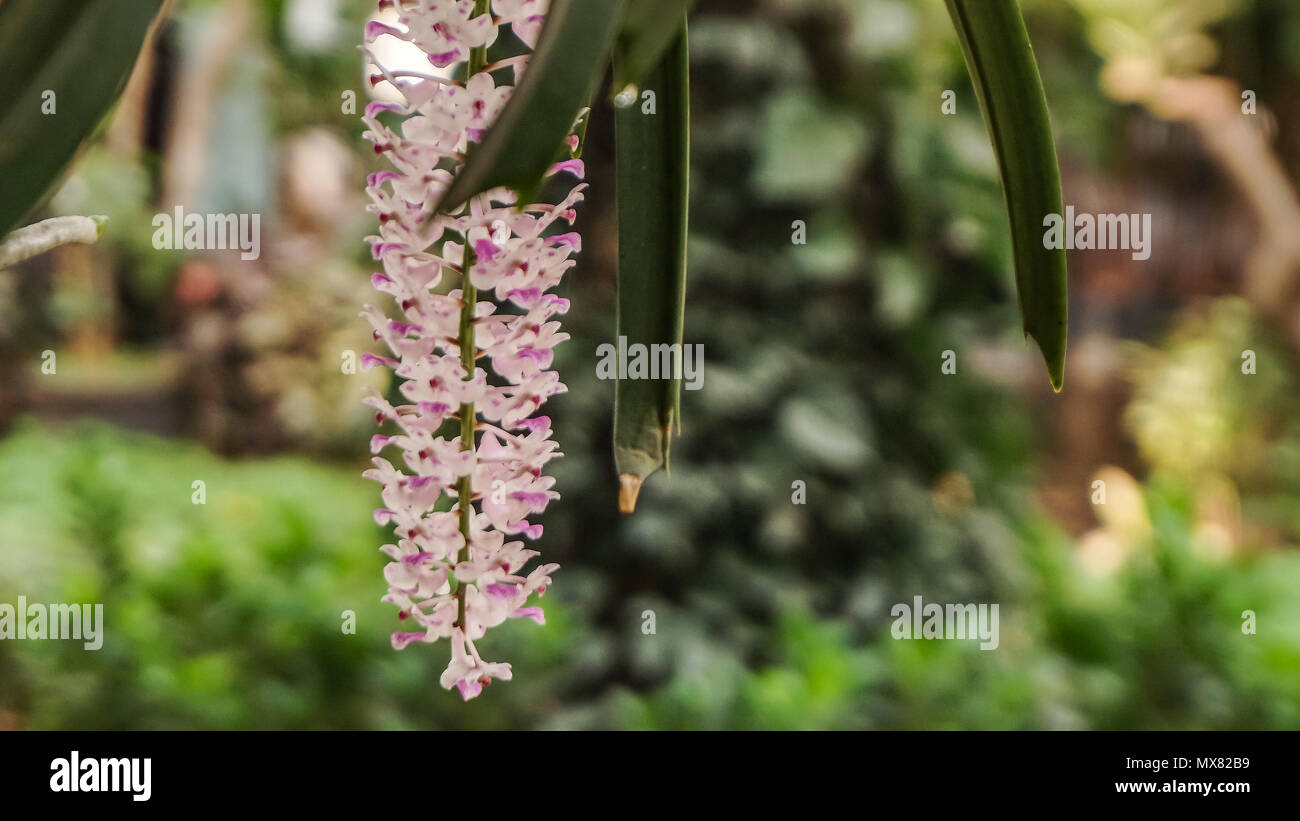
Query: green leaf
[
  {"x": 649, "y": 28},
  {"x": 83, "y": 51},
  {"x": 562, "y": 75},
  {"x": 1010, "y": 92},
  {"x": 653, "y": 173}
]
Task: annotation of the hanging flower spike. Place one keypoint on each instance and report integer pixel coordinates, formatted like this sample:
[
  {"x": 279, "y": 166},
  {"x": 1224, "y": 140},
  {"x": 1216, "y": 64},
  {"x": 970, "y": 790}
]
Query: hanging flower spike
[{"x": 455, "y": 574}]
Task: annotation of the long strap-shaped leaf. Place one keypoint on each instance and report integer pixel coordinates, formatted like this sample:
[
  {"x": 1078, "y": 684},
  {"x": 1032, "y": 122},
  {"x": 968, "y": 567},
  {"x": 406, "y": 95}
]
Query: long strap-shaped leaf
[
  {"x": 649, "y": 28},
  {"x": 1010, "y": 92},
  {"x": 652, "y": 164},
  {"x": 561, "y": 77},
  {"x": 82, "y": 51}
]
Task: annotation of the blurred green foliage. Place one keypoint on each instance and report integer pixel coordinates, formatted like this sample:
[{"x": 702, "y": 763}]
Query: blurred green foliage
[
  {"x": 222, "y": 614},
  {"x": 229, "y": 614}
]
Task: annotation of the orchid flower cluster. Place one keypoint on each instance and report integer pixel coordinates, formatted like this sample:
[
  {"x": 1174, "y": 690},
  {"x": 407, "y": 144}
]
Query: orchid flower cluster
[{"x": 455, "y": 573}]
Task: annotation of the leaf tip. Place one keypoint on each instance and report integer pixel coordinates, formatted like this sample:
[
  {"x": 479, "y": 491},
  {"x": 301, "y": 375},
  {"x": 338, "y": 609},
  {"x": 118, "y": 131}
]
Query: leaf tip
[
  {"x": 629, "y": 487},
  {"x": 1054, "y": 358}
]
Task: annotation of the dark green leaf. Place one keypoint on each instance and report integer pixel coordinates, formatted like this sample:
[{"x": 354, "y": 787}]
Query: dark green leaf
[
  {"x": 649, "y": 28},
  {"x": 562, "y": 75},
  {"x": 653, "y": 168},
  {"x": 83, "y": 51},
  {"x": 1010, "y": 92}
]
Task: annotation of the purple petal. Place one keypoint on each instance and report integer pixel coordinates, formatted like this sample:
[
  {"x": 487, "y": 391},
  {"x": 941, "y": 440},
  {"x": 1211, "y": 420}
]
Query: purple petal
[
  {"x": 534, "y": 613},
  {"x": 400, "y": 640}
]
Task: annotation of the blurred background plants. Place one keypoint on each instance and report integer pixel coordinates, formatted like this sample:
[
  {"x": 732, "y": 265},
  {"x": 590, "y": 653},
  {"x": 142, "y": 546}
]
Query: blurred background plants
[{"x": 822, "y": 367}]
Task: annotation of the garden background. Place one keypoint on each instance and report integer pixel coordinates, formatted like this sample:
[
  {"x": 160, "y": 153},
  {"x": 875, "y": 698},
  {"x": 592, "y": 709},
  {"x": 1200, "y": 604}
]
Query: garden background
[{"x": 822, "y": 366}]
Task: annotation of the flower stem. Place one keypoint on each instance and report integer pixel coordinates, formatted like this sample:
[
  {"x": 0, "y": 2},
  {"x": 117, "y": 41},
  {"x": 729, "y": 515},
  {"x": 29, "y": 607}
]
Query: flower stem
[
  {"x": 468, "y": 349},
  {"x": 28, "y": 242}
]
